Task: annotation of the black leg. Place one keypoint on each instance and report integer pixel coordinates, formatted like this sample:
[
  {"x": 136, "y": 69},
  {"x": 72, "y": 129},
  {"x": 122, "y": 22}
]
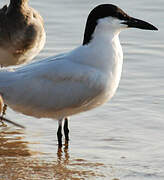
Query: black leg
[
  {"x": 59, "y": 134},
  {"x": 66, "y": 130},
  {"x": 4, "y": 110},
  {"x": 2, "y": 116}
]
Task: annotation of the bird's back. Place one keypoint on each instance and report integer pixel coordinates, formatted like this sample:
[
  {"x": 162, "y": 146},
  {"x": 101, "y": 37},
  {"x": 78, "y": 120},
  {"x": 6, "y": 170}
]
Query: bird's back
[{"x": 52, "y": 88}]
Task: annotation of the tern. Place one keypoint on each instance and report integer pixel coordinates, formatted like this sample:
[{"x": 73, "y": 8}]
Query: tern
[
  {"x": 77, "y": 81},
  {"x": 22, "y": 34}
]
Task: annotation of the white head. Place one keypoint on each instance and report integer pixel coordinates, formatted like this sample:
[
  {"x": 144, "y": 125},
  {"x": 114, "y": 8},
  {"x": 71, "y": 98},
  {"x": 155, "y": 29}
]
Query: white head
[{"x": 108, "y": 17}]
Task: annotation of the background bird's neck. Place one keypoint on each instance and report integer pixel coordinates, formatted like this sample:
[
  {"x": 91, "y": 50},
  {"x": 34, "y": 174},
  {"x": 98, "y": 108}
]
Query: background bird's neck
[{"x": 18, "y": 3}]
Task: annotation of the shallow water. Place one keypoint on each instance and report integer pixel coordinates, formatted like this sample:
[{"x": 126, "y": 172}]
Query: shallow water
[{"x": 122, "y": 139}]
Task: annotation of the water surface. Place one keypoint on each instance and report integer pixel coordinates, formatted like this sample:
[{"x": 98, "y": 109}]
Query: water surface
[{"x": 122, "y": 139}]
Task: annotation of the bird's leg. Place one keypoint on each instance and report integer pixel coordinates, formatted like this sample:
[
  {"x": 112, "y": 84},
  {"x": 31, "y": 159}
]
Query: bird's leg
[
  {"x": 66, "y": 131},
  {"x": 59, "y": 133},
  {"x": 3, "y": 114},
  {"x": 3, "y": 108},
  {"x": 2, "y": 123}
]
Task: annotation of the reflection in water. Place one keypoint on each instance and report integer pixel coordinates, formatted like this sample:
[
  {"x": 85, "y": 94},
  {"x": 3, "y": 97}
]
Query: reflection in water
[
  {"x": 68, "y": 167},
  {"x": 12, "y": 144},
  {"x": 17, "y": 161},
  {"x": 61, "y": 159}
]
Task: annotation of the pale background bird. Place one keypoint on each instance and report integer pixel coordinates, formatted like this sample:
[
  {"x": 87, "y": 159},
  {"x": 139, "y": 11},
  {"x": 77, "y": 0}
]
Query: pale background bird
[{"x": 22, "y": 34}]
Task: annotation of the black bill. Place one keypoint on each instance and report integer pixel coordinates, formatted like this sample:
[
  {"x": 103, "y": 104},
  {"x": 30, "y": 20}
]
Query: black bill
[{"x": 137, "y": 23}]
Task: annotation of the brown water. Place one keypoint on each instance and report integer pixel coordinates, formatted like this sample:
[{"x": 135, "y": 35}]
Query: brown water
[{"x": 124, "y": 138}]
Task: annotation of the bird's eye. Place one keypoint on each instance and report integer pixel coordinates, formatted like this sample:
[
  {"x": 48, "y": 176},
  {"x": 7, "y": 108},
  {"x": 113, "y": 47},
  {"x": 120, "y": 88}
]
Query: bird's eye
[
  {"x": 124, "y": 16},
  {"x": 120, "y": 16}
]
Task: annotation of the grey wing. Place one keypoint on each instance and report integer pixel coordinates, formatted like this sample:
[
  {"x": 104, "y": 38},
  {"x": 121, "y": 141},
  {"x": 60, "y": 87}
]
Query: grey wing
[
  {"x": 60, "y": 95},
  {"x": 59, "y": 87}
]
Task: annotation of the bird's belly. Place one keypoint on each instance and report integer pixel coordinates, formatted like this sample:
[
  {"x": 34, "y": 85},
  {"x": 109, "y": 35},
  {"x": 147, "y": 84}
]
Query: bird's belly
[
  {"x": 9, "y": 58},
  {"x": 38, "y": 112},
  {"x": 15, "y": 55},
  {"x": 48, "y": 109},
  {"x": 6, "y": 57},
  {"x": 100, "y": 99}
]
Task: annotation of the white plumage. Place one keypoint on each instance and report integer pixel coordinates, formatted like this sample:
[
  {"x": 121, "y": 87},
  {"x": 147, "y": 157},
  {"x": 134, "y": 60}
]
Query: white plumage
[
  {"x": 77, "y": 81},
  {"x": 68, "y": 84}
]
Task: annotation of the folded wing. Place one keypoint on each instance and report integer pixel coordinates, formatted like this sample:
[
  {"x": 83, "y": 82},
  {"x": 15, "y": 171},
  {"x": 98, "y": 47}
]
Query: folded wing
[{"x": 50, "y": 86}]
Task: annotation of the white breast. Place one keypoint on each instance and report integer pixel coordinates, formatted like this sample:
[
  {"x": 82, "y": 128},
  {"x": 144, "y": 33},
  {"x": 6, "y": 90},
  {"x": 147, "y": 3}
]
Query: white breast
[{"x": 104, "y": 54}]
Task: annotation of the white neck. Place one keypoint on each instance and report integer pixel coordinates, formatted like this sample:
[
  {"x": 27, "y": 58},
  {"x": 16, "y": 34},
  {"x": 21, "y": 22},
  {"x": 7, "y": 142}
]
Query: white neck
[
  {"x": 105, "y": 31},
  {"x": 104, "y": 53},
  {"x": 104, "y": 50},
  {"x": 107, "y": 55}
]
